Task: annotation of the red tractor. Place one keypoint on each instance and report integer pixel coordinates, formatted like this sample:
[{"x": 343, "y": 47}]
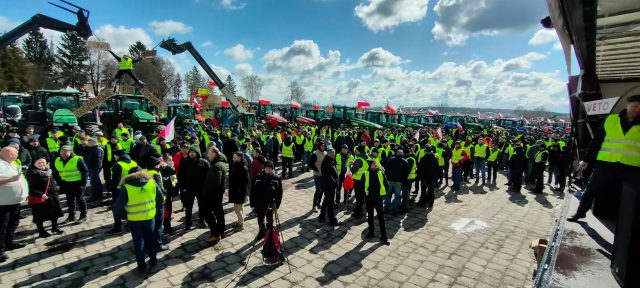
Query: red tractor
[
  {"x": 295, "y": 114},
  {"x": 264, "y": 110}
]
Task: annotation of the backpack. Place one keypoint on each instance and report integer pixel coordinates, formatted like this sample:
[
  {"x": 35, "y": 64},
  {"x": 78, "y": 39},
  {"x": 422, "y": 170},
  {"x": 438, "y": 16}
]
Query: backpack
[{"x": 272, "y": 248}]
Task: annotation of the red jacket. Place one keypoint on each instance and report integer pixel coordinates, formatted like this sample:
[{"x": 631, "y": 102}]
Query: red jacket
[{"x": 176, "y": 160}]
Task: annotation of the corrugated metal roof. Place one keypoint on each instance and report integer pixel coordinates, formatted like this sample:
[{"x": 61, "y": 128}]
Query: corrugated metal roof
[{"x": 618, "y": 39}]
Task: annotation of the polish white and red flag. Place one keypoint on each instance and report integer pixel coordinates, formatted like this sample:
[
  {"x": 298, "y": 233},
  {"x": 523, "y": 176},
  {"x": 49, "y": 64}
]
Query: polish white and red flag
[
  {"x": 169, "y": 131},
  {"x": 363, "y": 104},
  {"x": 439, "y": 133}
]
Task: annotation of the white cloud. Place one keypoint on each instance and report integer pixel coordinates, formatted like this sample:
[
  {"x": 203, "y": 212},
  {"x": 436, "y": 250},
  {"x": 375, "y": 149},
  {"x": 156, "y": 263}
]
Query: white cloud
[
  {"x": 122, "y": 37},
  {"x": 460, "y": 19},
  {"x": 380, "y": 15},
  {"x": 169, "y": 27},
  {"x": 232, "y": 4},
  {"x": 207, "y": 44},
  {"x": 239, "y": 53},
  {"x": 6, "y": 25},
  {"x": 378, "y": 57},
  {"x": 243, "y": 70},
  {"x": 543, "y": 36},
  {"x": 304, "y": 60}
]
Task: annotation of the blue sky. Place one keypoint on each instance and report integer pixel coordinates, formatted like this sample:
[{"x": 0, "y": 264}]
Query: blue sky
[{"x": 475, "y": 53}]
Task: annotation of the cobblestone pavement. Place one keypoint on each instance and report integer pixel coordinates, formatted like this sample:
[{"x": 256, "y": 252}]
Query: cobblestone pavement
[{"x": 477, "y": 237}]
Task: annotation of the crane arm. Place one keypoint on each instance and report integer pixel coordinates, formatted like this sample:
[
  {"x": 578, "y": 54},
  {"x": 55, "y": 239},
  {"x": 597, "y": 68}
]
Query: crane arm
[
  {"x": 39, "y": 20},
  {"x": 171, "y": 46}
]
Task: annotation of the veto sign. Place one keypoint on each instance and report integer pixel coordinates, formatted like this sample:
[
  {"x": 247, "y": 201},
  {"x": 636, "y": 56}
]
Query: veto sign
[{"x": 600, "y": 107}]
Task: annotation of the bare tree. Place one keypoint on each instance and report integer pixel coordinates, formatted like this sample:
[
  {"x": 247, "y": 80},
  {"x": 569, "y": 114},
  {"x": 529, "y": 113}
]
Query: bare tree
[
  {"x": 98, "y": 60},
  {"x": 252, "y": 85},
  {"x": 296, "y": 92}
]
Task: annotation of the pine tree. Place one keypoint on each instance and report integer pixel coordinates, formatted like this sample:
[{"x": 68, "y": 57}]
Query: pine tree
[
  {"x": 72, "y": 60},
  {"x": 193, "y": 80},
  {"x": 38, "y": 53},
  {"x": 13, "y": 70},
  {"x": 231, "y": 85},
  {"x": 136, "y": 49},
  {"x": 36, "y": 50},
  {"x": 177, "y": 87}
]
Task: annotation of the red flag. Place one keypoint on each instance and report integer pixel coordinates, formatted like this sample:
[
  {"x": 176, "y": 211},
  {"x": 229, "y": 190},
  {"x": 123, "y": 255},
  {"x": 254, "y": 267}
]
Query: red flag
[
  {"x": 225, "y": 103},
  {"x": 212, "y": 84},
  {"x": 562, "y": 121},
  {"x": 197, "y": 106},
  {"x": 390, "y": 109},
  {"x": 169, "y": 131},
  {"x": 500, "y": 116},
  {"x": 316, "y": 107},
  {"x": 330, "y": 108},
  {"x": 264, "y": 102},
  {"x": 363, "y": 104},
  {"x": 479, "y": 115},
  {"x": 439, "y": 133},
  {"x": 295, "y": 105}
]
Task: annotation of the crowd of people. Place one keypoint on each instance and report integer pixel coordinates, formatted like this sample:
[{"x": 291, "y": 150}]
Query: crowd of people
[{"x": 353, "y": 167}]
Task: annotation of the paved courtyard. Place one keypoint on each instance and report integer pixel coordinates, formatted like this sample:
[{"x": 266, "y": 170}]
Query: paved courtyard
[{"x": 477, "y": 237}]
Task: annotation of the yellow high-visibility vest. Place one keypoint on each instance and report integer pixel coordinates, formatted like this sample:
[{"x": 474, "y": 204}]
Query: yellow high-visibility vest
[
  {"x": 493, "y": 155},
  {"x": 480, "y": 151},
  {"x": 414, "y": 168},
  {"x": 365, "y": 167},
  {"x": 456, "y": 155},
  {"x": 69, "y": 172},
  {"x": 126, "y": 63},
  {"x": 618, "y": 146},
  {"x": 339, "y": 161},
  {"x": 287, "y": 151},
  {"x": 141, "y": 201},
  {"x": 53, "y": 145},
  {"x": 383, "y": 190},
  {"x": 109, "y": 151}
]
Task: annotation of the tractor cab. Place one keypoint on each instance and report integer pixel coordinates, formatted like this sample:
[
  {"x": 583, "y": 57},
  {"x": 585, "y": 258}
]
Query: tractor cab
[
  {"x": 13, "y": 106},
  {"x": 264, "y": 111},
  {"x": 184, "y": 113},
  {"x": 381, "y": 118},
  {"x": 294, "y": 114},
  {"x": 132, "y": 110},
  {"x": 54, "y": 108},
  {"x": 412, "y": 121},
  {"x": 511, "y": 125}
]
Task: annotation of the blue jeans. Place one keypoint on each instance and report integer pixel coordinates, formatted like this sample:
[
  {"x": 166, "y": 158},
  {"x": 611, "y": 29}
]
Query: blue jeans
[
  {"x": 395, "y": 188},
  {"x": 457, "y": 177},
  {"x": 144, "y": 241},
  {"x": 480, "y": 168},
  {"x": 96, "y": 184}
]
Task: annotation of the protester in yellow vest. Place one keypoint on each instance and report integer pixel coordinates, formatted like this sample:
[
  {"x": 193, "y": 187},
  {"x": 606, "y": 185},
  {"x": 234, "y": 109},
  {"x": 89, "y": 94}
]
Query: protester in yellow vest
[
  {"x": 614, "y": 154},
  {"x": 139, "y": 201},
  {"x": 70, "y": 172},
  {"x": 359, "y": 166},
  {"x": 126, "y": 142},
  {"x": 119, "y": 170},
  {"x": 375, "y": 189},
  {"x": 125, "y": 67}
]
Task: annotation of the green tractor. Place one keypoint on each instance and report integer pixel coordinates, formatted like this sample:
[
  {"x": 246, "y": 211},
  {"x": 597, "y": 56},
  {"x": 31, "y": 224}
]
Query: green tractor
[
  {"x": 132, "y": 110},
  {"x": 385, "y": 119},
  {"x": 349, "y": 117},
  {"x": 411, "y": 121},
  {"x": 184, "y": 113},
  {"x": 54, "y": 108}
]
